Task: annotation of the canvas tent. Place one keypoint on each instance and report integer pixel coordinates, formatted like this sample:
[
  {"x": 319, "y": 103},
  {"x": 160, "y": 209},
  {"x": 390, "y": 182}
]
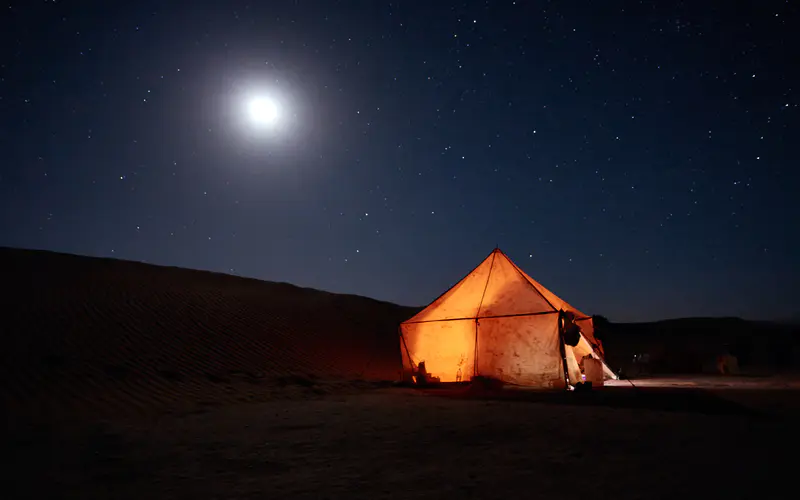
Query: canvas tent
[{"x": 499, "y": 322}]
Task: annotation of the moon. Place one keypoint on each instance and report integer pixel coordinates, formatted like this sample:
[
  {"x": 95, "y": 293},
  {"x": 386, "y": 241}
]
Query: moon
[{"x": 263, "y": 111}]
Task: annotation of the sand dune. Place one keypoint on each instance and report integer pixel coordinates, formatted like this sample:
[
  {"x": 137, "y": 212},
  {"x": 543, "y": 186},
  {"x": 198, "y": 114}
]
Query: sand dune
[
  {"x": 121, "y": 342},
  {"x": 85, "y": 334}
]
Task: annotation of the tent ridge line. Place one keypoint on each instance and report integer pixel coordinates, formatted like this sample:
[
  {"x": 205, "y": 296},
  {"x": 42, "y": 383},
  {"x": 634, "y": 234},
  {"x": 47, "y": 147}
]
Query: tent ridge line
[
  {"x": 454, "y": 285},
  {"x": 540, "y": 313},
  {"x": 486, "y": 285},
  {"x": 529, "y": 282},
  {"x": 478, "y": 318}
]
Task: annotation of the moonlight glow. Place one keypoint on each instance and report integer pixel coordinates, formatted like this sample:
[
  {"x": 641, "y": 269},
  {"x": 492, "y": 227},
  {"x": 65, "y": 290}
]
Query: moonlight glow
[
  {"x": 263, "y": 111},
  {"x": 262, "y": 115}
]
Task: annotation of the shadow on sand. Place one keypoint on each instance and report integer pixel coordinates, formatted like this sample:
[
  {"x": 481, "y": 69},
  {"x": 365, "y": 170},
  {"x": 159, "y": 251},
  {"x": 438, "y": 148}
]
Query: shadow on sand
[{"x": 676, "y": 399}]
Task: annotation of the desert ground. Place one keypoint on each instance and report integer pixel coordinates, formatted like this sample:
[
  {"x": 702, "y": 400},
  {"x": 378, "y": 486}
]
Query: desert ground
[
  {"x": 372, "y": 442},
  {"x": 121, "y": 380}
]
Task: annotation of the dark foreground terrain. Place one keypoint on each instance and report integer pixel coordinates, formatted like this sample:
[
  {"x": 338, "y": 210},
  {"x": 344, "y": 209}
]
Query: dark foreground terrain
[
  {"x": 658, "y": 441},
  {"x": 124, "y": 380}
]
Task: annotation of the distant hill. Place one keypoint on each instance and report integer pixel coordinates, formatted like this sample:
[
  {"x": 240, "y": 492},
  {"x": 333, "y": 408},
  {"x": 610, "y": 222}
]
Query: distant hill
[
  {"x": 94, "y": 332},
  {"x": 691, "y": 345},
  {"x": 793, "y": 320}
]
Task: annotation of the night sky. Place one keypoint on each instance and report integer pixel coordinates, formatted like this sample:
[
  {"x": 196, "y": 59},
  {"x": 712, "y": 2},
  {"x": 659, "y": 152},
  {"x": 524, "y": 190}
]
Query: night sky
[{"x": 638, "y": 159}]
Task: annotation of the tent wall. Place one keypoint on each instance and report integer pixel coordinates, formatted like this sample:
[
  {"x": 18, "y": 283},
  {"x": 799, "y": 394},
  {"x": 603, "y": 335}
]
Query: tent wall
[
  {"x": 444, "y": 346},
  {"x": 521, "y": 350},
  {"x": 583, "y": 348}
]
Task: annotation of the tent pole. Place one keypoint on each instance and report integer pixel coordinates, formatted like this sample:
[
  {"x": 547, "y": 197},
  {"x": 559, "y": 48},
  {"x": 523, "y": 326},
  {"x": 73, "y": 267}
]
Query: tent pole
[
  {"x": 475, "y": 356},
  {"x": 561, "y": 345}
]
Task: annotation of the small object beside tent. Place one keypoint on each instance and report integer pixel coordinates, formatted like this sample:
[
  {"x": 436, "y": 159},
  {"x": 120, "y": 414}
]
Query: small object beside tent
[{"x": 500, "y": 323}]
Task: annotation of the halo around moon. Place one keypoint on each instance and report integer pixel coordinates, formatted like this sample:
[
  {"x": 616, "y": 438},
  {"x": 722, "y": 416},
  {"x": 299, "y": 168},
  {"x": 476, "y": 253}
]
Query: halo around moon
[{"x": 264, "y": 115}]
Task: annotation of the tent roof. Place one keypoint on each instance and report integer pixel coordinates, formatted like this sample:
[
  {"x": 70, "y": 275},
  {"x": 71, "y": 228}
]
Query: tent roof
[{"x": 496, "y": 288}]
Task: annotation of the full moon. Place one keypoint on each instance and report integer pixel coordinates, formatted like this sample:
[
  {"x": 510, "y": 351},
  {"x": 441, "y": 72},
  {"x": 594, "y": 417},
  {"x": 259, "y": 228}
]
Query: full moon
[{"x": 263, "y": 111}]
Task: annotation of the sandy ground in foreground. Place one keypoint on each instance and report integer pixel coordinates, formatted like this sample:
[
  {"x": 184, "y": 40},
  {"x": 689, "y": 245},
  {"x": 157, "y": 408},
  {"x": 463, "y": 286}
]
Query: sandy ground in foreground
[{"x": 403, "y": 443}]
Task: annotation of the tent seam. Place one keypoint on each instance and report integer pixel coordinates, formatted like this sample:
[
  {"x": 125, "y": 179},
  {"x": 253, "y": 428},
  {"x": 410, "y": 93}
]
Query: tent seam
[
  {"x": 455, "y": 285},
  {"x": 480, "y": 317},
  {"x": 478, "y": 313},
  {"x": 529, "y": 282},
  {"x": 486, "y": 285}
]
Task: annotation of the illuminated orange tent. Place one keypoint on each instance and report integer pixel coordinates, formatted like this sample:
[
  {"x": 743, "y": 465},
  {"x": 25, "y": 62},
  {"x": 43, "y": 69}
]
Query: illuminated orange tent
[{"x": 499, "y": 322}]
